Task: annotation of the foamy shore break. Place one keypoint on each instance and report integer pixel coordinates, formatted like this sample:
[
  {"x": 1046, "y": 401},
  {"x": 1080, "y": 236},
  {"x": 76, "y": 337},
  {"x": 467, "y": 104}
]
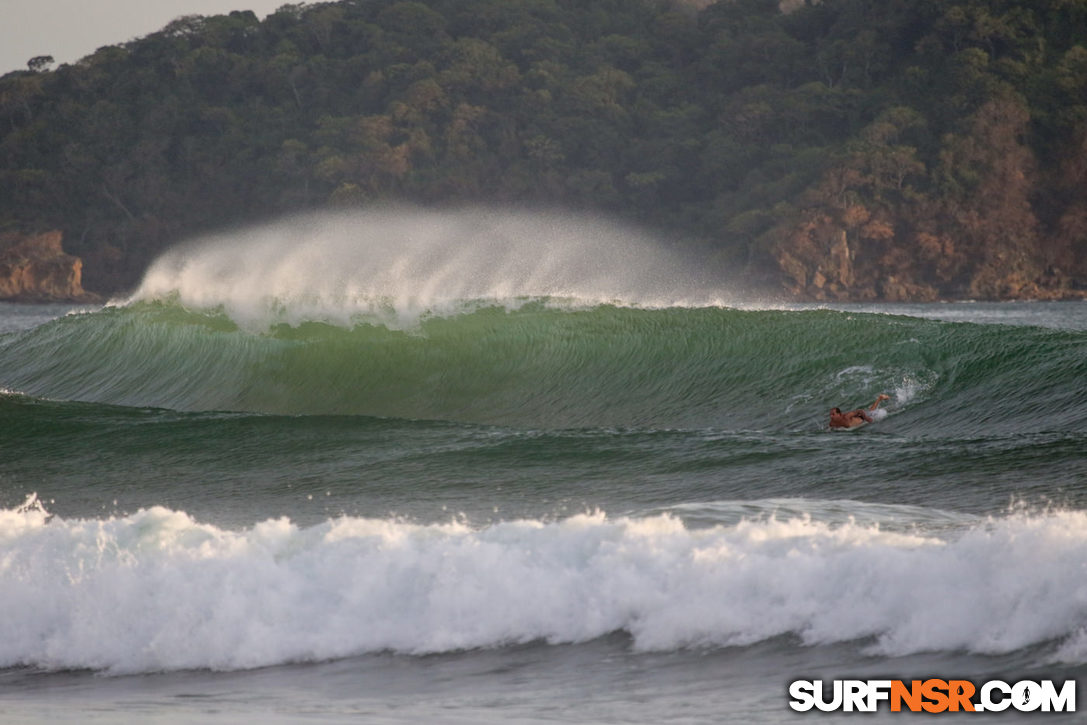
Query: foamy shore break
[{"x": 156, "y": 590}]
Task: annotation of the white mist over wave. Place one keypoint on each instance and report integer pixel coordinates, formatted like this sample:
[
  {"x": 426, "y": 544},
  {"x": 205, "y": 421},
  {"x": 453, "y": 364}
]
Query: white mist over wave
[
  {"x": 158, "y": 591},
  {"x": 398, "y": 263}
]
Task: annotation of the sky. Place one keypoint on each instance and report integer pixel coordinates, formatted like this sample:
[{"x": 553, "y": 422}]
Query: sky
[{"x": 71, "y": 29}]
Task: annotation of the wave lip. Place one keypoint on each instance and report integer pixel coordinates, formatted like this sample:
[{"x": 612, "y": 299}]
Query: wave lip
[{"x": 158, "y": 591}]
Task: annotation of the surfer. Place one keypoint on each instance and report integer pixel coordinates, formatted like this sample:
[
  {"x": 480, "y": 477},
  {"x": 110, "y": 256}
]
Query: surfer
[{"x": 853, "y": 418}]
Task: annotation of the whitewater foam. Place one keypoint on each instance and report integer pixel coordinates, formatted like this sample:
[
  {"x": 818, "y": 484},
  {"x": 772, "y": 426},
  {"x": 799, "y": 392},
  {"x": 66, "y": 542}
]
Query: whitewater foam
[
  {"x": 395, "y": 265},
  {"x": 156, "y": 590}
]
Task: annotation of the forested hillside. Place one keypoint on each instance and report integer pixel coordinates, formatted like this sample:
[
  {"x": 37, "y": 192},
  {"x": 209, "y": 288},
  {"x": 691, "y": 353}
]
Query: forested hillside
[{"x": 843, "y": 149}]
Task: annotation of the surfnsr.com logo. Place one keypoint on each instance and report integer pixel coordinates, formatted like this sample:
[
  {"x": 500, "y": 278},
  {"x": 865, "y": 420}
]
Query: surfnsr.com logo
[{"x": 933, "y": 695}]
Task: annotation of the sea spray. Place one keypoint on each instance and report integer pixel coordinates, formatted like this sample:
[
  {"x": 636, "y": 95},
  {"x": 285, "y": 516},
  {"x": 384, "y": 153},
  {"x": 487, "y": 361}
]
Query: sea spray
[
  {"x": 156, "y": 590},
  {"x": 395, "y": 265}
]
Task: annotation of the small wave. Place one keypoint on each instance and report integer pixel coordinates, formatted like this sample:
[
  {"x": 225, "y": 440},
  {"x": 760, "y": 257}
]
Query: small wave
[{"x": 157, "y": 591}]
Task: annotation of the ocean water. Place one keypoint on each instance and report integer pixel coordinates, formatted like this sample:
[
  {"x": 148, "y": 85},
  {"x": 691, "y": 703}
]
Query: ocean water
[{"x": 479, "y": 466}]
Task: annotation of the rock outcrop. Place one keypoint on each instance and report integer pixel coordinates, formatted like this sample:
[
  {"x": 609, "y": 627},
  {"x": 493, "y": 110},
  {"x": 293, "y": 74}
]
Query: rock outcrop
[
  {"x": 35, "y": 268},
  {"x": 820, "y": 259},
  {"x": 878, "y": 224}
]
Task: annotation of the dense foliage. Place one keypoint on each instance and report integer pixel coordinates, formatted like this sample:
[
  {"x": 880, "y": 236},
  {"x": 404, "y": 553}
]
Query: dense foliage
[{"x": 845, "y": 148}]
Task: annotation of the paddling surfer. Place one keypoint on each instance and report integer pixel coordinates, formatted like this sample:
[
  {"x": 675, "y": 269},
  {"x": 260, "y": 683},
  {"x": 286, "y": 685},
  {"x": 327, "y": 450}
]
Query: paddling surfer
[{"x": 853, "y": 418}]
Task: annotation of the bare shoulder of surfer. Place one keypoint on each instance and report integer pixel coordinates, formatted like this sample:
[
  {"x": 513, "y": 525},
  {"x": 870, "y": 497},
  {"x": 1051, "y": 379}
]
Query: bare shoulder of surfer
[{"x": 853, "y": 418}]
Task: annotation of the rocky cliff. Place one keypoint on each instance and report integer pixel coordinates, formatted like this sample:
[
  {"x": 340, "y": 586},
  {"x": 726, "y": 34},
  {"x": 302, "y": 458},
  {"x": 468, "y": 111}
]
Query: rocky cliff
[
  {"x": 973, "y": 224},
  {"x": 35, "y": 268},
  {"x": 824, "y": 259}
]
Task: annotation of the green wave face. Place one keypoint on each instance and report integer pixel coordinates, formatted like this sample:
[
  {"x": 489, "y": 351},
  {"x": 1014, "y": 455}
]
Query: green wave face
[{"x": 543, "y": 364}]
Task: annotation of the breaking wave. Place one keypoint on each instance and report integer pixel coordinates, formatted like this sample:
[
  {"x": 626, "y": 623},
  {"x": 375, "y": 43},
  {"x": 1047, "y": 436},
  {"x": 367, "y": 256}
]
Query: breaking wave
[{"x": 157, "y": 591}]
